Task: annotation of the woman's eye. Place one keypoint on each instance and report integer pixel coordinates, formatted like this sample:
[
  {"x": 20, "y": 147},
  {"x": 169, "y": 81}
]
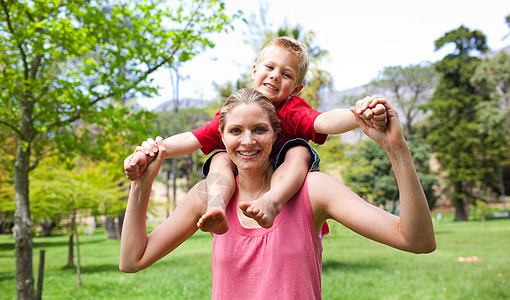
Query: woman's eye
[
  {"x": 234, "y": 130},
  {"x": 260, "y": 129}
]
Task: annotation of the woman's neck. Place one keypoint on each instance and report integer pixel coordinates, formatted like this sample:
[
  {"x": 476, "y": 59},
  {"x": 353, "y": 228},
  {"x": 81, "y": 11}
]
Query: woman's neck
[{"x": 255, "y": 182}]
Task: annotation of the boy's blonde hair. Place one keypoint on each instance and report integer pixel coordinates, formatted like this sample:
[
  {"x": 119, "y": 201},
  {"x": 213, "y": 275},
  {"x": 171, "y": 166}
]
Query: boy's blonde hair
[{"x": 293, "y": 46}]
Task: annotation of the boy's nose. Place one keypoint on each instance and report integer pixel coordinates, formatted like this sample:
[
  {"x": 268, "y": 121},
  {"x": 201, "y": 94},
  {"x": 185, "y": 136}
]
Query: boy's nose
[{"x": 274, "y": 76}]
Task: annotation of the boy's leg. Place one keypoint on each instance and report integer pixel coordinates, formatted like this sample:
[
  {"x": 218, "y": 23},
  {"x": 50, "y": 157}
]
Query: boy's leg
[
  {"x": 220, "y": 187},
  {"x": 285, "y": 183}
]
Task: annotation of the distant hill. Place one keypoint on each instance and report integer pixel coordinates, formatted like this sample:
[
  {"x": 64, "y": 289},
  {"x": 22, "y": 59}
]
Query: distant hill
[
  {"x": 183, "y": 104},
  {"x": 335, "y": 99},
  {"x": 494, "y": 53}
]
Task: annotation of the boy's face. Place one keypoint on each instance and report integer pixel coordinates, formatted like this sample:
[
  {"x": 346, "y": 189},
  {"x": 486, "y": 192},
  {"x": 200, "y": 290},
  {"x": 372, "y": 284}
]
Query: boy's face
[{"x": 275, "y": 74}]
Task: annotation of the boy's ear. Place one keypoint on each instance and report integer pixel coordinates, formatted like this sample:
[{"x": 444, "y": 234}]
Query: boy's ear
[
  {"x": 253, "y": 71},
  {"x": 297, "y": 89}
]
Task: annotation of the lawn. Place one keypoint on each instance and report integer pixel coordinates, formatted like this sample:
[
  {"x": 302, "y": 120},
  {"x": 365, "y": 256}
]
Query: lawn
[{"x": 353, "y": 267}]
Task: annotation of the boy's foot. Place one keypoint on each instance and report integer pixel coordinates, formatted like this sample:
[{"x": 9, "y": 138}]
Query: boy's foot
[
  {"x": 214, "y": 221},
  {"x": 263, "y": 210}
]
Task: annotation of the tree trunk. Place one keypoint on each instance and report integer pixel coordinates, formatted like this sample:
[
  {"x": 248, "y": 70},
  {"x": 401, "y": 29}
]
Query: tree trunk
[
  {"x": 70, "y": 252},
  {"x": 168, "y": 198},
  {"x": 109, "y": 226},
  {"x": 460, "y": 210},
  {"x": 22, "y": 230},
  {"x": 78, "y": 263},
  {"x": 47, "y": 227},
  {"x": 2, "y": 223},
  {"x": 174, "y": 182},
  {"x": 189, "y": 169},
  {"x": 120, "y": 223}
]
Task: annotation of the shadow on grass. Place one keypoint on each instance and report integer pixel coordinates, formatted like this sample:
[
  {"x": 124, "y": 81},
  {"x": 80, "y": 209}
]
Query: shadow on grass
[
  {"x": 331, "y": 265},
  {"x": 60, "y": 243},
  {"x": 7, "y": 246},
  {"x": 7, "y": 275},
  {"x": 106, "y": 268}
]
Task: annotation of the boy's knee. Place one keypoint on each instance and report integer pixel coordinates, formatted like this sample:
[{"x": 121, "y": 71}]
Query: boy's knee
[
  {"x": 221, "y": 160},
  {"x": 299, "y": 152}
]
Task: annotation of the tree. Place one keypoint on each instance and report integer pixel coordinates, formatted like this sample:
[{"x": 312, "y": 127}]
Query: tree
[
  {"x": 368, "y": 172},
  {"x": 454, "y": 133},
  {"x": 410, "y": 87},
  {"x": 494, "y": 118},
  {"x": 68, "y": 64}
]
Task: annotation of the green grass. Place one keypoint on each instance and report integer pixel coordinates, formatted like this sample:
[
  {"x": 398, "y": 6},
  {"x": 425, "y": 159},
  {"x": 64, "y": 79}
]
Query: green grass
[{"x": 353, "y": 267}]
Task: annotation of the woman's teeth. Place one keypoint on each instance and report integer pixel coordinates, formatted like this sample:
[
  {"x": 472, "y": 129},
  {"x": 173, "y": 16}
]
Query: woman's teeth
[{"x": 248, "y": 153}]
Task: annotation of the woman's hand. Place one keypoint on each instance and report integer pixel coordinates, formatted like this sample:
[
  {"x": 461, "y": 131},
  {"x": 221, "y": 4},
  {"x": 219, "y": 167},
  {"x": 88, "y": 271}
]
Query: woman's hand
[
  {"x": 388, "y": 138},
  {"x": 153, "y": 168}
]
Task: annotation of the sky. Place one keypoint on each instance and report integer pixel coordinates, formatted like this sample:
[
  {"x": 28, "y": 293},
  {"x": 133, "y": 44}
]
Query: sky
[{"x": 362, "y": 37}]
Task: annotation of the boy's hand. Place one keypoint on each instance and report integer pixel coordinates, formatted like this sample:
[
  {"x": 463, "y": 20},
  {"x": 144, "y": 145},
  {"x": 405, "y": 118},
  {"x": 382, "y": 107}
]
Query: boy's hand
[
  {"x": 373, "y": 112},
  {"x": 136, "y": 163}
]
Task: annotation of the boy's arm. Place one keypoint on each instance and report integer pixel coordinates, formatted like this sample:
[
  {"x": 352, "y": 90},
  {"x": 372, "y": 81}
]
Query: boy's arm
[
  {"x": 339, "y": 120},
  {"x": 335, "y": 121},
  {"x": 176, "y": 145}
]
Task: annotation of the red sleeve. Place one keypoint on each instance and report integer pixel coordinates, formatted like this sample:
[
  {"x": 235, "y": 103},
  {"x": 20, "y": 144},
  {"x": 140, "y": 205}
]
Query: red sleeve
[
  {"x": 297, "y": 121},
  {"x": 209, "y": 135}
]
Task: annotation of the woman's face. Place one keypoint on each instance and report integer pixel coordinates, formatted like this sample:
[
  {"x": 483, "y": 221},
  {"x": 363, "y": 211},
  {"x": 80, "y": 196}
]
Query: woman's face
[{"x": 248, "y": 136}]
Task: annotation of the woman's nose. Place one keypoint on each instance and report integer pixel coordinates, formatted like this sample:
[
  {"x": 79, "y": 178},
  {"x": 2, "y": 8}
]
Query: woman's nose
[{"x": 248, "y": 139}]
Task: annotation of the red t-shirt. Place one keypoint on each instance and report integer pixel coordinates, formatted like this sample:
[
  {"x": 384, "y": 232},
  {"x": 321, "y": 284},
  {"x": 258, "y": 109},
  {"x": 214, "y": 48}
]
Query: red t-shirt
[{"x": 296, "y": 120}]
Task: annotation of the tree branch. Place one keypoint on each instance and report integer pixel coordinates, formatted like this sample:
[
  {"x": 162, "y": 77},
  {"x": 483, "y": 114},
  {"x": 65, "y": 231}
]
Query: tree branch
[
  {"x": 14, "y": 128},
  {"x": 11, "y": 30}
]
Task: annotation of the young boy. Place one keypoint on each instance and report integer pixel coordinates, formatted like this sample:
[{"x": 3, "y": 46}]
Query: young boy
[{"x": 279, "y": 74}]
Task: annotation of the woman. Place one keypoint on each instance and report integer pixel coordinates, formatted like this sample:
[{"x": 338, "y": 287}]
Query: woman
[{"x": 250, "y": 262}]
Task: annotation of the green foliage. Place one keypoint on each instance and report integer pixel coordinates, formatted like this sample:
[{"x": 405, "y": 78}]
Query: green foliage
[
  {"x": 167, "y": 123},
  {"x": 409, "y": 88},
  {"x": 59, "y": 191},
  {"x": 369, "y": 173},
  {"x": 332, "y": 155}
]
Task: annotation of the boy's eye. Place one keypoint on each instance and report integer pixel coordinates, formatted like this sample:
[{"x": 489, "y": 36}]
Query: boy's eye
[
  {"x": 287, "y": 75},
  {"x": 269, "y": 67}
]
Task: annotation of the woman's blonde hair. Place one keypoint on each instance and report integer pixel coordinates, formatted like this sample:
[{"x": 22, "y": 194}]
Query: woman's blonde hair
[{"x": 248, "y": 96}]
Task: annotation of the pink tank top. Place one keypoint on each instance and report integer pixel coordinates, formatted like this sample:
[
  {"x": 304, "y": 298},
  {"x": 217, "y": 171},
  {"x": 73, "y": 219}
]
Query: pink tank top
[{"x": 281, "y": 262}]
